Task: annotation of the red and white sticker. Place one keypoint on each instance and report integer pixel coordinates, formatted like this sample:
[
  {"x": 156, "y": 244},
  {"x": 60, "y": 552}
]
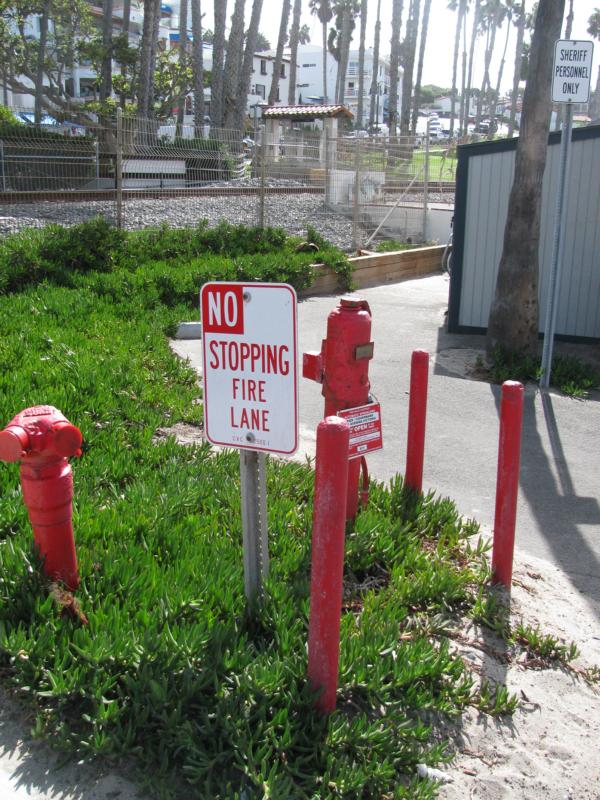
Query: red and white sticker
[{"x": 365, "y": 429}]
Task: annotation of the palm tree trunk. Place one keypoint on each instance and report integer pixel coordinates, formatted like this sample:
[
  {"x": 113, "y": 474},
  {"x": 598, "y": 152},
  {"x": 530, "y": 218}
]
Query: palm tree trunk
[
  {"x": 39, "y": 78},
  {"x": 394, "y": 66},
  {"x": 183, "y": 24},
  {"x": 476, "y": 16},
  {"x": 499, "y": 81},
  {"x": 198, "y": 68},
  {"x": 513, "y": 323},
  {"x": 107, "y": 26},
  {"x": 460, "y": 13},
  {"x": 374, "y": 77},
  {"x": 246, "y": 70},
  {"x": 233, "y": 62},
  {"x": 410, "y": 47},
  {"x": 463, "y": 82},
  {"x": 422, "y": 46},
  {"x": 125, "y": 32},
  {"x": 294, "y": 35},
  {"x": 517, "y": 73},
  {"x": 285, "y": 16},
  {"x": 361, "y": 65},
  {"x": 344, "y": 52},
  {"x": 325, "y": 99},
  {"x": 216, "y": 84}
]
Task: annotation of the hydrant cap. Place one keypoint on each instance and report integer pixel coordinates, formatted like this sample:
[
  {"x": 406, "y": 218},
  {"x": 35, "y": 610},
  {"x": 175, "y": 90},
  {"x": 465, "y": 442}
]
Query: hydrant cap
[
  {"x": 67, "y": 439},
  {"x": 12, "y": 444}
]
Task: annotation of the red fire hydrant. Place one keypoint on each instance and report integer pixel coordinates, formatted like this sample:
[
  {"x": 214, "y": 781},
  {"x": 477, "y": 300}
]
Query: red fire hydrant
[
  {"x": 342, "y": 367},
  {"x": 42, "y": 439}
]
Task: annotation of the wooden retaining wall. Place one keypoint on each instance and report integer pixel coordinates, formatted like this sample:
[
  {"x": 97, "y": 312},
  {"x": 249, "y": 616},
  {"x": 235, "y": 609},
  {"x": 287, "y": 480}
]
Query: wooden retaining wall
[{"x": 378, "y": 268}]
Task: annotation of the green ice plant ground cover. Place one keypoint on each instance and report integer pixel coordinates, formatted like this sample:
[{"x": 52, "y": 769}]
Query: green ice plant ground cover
[{"x": 171, "y": 672}]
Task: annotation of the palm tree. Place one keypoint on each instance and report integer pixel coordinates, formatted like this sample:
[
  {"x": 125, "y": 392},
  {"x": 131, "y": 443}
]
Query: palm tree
[
  {"x": 183, "y": 15},
  {"x": 246, "y": 71},
  {"x": 216, "y": 83},
  {"x": 474, "y": 31},
  {"x": 594, "y": 30},
  {"x": 493, "y": 12},
  {"x": 233, "y": 64},
  {"x": 283, "y": 25},
  {"x": 374, "y": 77},
  {"x": 197, "y": 68},
  {"x": 348, "y": 9},
  {"x": 107, "y": 48},
  {"x": 148, "y": 57},
  {"x": 462, "y": 10},
  {"x": 394, "y": 66},
  {"x": 508, "y": 11},
  {"x": 513, "y": 322},
  {"x": 322, "y": 8},
  {"x": 41, "y": 58},
  {"x": 294, "y": 38},
  {"x": 422, "y": 45},
  {"x": 519, "y": 14},
  {"x": 410, "y": 47},
  {"x": 361, "y": 63},
  {"x": 125, "y": 35}
]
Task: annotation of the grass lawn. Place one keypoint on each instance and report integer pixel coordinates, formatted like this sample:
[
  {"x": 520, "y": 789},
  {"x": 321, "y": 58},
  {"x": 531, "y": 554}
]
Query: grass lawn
[{"x": 171, "y": 672}]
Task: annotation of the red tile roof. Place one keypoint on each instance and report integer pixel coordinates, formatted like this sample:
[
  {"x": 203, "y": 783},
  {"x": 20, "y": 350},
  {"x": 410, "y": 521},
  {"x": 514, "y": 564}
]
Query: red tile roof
[{"x": 306, "y": 112}]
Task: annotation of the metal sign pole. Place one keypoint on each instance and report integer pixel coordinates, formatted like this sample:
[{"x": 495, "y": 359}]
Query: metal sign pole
[
  {"x": 254, "y": 522},
  {"x": 558, "y": 246}
]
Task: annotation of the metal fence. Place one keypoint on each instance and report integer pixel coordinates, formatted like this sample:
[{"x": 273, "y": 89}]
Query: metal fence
[{"x": 138, "y": 172}]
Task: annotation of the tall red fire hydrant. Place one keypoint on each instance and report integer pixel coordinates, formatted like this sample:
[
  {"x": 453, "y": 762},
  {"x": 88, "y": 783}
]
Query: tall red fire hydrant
[
  {"x": 342, "y": 367},
  {"x": 42, "y": 439}
]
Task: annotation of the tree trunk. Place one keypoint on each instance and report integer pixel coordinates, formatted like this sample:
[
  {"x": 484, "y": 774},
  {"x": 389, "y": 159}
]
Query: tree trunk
[
  {"x": 344, "y": 52},
  {"x": 125, "y": 32},
  {"x": 422, "y": 46},
  {"x": 285, "y": 16},
  {"x": 498, "y": 82},
  {"x": 463, "y": 82},
  {"x": 569, "y": 22},
  {"x": 412, "y": 30},
  {"x": 231, "y": 76},
  {"x": 198, "y": 68},
  {"x": 294, "y": 35},
  {"x": 461, "y": 10},
  {"x": 361, "y": 65},
  {"x": 375, "y": 75},
  {"x": 107, "y": 44},
  {"x": 216, "y": 84},
  {"x": 476, "y": 15},
  {"x": 513, "y": 323},
  {"x": 246, "y": 71},
  {"x": 394, "y": 66},
  {"x": 148, "y": 57},
  {"x": 183, "y": 18},
  {"x": 41, "y": 58},
  {"x": 489, "y": 51},
  {"x": 325, "y": 98},
  {"x": 517, "y": 74}
]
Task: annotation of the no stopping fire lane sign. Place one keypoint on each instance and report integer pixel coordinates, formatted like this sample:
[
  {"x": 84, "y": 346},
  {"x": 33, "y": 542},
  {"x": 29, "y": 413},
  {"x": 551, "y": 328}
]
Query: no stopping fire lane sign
[{"x": 249, "y": 348}]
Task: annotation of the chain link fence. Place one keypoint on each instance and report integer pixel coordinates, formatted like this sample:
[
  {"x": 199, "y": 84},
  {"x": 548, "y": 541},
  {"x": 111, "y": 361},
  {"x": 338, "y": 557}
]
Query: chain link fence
[{"x": 137, "y": 172}]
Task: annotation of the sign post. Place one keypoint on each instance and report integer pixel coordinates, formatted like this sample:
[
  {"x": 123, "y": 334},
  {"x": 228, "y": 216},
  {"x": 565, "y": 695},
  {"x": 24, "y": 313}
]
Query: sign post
[
  {"x": 571, "y": 77},
  {"x": 249, "y": 349}
]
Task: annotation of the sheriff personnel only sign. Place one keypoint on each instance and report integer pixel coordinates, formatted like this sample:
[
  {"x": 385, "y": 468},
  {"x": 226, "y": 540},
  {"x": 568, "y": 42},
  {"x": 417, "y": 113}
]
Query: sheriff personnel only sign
[
  {"x": 249, "y": 348},
  {"x": 572, "y": 71}
]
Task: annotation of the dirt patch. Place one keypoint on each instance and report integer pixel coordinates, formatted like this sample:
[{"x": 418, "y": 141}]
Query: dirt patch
[{"x": 183, "y": 432}]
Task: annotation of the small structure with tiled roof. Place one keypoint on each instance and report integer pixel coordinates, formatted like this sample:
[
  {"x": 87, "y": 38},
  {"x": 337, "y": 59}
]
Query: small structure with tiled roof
[{"x": 328, "y": 114}]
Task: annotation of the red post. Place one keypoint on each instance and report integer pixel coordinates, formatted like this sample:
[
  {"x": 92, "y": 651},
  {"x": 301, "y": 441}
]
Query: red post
[
  {"x": 417, "y": 414},
  {"x": 507, "y": 485},
  {"x": 329, "y": 518}
]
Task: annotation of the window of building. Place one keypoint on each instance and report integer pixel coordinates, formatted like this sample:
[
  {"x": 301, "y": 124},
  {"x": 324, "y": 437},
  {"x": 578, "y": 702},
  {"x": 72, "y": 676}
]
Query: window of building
[
  {"x": 263, "y": 66},
  {"x": 283, "y": 70},
  {"x": 308, "y": 65},
  {"x": 278, "y": 98},
  {"x": 351, "y": 85},
  {"x": 260, "y": 90}
]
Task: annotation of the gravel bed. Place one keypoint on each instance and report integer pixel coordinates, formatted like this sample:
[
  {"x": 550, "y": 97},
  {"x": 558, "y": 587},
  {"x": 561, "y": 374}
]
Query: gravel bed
[{"x": 293, "y": 212}]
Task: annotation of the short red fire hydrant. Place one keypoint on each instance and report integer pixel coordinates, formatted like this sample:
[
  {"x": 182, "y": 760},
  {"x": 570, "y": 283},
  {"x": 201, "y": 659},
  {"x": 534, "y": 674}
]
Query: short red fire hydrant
[
  {"x": 42, "y": 439},
  {"x": 342, "y": 367}
]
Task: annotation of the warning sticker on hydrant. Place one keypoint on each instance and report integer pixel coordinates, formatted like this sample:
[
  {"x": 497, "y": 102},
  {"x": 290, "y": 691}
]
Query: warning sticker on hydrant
[{"x": 365, "y": 429}]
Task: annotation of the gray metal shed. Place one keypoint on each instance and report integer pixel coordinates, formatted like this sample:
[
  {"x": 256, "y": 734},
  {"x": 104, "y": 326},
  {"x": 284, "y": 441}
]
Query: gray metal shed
[{"x": 483, "y": 183}]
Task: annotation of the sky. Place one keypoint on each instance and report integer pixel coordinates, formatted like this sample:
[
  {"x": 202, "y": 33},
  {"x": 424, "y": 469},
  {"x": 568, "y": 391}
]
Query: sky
[{"x": 440, "y": 41}]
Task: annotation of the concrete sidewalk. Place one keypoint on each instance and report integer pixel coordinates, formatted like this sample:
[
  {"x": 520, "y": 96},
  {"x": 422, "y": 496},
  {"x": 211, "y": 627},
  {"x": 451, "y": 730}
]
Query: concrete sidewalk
[{"x": 558, "y": 512}]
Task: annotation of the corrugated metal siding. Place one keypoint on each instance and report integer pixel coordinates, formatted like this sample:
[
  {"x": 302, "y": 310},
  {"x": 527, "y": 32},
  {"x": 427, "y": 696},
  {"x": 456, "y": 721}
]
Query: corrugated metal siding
[{"x": 489, "y": 182}]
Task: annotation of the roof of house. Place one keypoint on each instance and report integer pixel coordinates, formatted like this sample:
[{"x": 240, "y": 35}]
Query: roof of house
[{"x": 306, "y": 112}]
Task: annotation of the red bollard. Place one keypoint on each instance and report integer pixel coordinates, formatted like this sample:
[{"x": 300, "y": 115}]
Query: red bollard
[
  {"x": 417, "y": 414},
  {"x": 507, "y": 485},
  {"x": 329, "y": 518},
  {"x": 42, "y": 439}
]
